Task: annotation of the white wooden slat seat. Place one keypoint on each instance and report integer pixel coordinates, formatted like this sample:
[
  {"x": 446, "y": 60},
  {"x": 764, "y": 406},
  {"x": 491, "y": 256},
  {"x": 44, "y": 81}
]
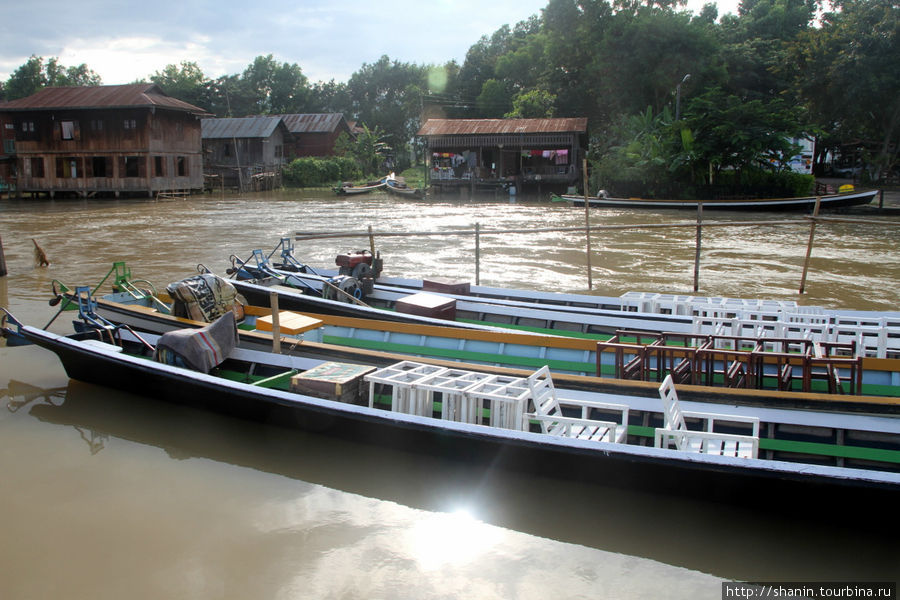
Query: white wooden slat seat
[
  {"x": 707, "y": 441},
  {"x": 405, "y": 396},
  {"x": 548, "y": 412}
]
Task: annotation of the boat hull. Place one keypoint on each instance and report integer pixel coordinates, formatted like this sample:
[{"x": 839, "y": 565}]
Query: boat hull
[
  {"x": 760, "y": 204},
  {"x": 733, "y": 480}
]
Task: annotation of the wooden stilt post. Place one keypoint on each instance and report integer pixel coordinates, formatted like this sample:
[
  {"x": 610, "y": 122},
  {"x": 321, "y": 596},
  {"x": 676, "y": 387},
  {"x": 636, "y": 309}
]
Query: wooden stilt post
[
  {"x": 276, "y": 323},
  {"x": 477, "y": 253},
  {"x": 587, "y": 224},
  {"x": 2, "y": 260},
  {"x": 699, "y": 239},
  {"x": 809, "y": 245},
  {"x": 371, "y": 242}
]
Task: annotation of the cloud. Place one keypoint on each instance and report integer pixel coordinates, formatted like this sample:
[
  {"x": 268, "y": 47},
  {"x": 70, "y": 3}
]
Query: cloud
[{"x": 329, "y": 39}]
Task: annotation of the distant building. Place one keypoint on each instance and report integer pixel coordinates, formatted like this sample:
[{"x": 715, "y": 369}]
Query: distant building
[
  {"x": 314, "y": 134},
  {"x": 521, "y": 154},
  {"x": 7, "y": 151},
  {"x": 105, "y": 140},
  {"x": 235, "y": 151}
]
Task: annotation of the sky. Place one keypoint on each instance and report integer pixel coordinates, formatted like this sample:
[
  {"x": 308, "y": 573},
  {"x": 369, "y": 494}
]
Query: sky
[{"x": 125, "y": 41}]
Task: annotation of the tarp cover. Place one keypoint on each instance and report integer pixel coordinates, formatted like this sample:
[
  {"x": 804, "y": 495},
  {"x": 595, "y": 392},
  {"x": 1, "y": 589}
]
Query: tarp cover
[
  {"x": 204, "y": 297},
  {"x": 199, "y": 349}
]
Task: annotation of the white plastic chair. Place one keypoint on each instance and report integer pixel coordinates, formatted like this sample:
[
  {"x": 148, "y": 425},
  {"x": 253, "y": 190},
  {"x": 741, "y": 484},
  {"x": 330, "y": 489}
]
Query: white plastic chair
[
  {"x": 707, "y": 441},
  {"x": 548, "y": 411}
]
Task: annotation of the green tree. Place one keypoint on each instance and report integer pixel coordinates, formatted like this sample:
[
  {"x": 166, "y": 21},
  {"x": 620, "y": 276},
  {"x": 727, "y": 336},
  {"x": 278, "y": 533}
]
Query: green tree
[
  {"x": 728, "y": 132},
  {"x": 275, "y": 88},
  {"x": 185, "y": 81},
  {"x": 35, "y": 75},
  {"x": 368, "y": 148},
  {"x": 846, "y": 72},
  {"x": 494, "y": 100},
  {"x": 533, "y": 104},
  {"x": 389, "y": 96}
]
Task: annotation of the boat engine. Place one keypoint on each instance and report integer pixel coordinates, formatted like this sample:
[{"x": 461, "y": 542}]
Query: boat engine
[
  {"x": 362, "y": 266},
  {"x": 342, "y": 288}
]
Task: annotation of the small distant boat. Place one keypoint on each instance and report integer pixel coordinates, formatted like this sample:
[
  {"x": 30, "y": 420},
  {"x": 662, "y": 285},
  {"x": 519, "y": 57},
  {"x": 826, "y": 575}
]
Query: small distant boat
[
  {"x": 350, "y": 189},
  {"x": 843, "y": 200},
  {"x": 398, "y": 187}
]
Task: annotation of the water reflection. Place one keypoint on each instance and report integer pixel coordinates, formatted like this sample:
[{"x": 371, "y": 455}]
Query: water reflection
[{"x": 470, "y": 506}]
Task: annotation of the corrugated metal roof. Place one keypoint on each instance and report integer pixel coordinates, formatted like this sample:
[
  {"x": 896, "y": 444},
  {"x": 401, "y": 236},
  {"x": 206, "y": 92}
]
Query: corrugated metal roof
[
  {"x": 313, "y": 123},
  {"x": 135, "y": 95},
  {"x": 246, "y": 127},
  {"x": 501, "y": 126}
]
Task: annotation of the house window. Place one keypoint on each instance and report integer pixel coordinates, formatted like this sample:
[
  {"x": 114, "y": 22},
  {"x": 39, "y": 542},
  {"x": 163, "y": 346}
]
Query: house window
[
  {"x": 100, "y": 166},
  {"x": 9, "y": 146},
  {"x": 132, "y": 166},
  {"x": 226, "y": 149},
  {"x": 27, "y": 130},
  {"x": 96, "y": 125},
  {"x": 159, "y": 166},
  {"x": 67, "y": 168},
  {"x": 37, "y": 166},
  {"x": 130, "y": 124},
  {"x": 68, "y": 130},
  {"x": 181, "y": 166}
]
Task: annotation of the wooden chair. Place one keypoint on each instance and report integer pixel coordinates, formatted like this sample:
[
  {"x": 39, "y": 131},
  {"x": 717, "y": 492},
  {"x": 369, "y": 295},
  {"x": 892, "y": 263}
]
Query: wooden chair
[
  {"x": 548, "y": 412},
  {"x": 707, "y": 441}
]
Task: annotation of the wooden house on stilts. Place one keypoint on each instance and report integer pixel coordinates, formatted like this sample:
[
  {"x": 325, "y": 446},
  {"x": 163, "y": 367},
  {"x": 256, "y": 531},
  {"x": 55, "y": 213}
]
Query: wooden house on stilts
[{"x": 105, "y": 140}]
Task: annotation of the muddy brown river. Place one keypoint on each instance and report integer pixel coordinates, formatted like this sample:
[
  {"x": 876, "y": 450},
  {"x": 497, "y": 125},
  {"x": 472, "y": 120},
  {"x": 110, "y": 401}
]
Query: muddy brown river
[{"x": 110, "y": 495}]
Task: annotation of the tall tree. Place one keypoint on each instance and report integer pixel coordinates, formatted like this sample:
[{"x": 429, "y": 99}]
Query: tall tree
[
  {"x": 276, "y": 87},
  {"x": 35, "y": 75},
  {"x": 185, "y": 82},
  {"x": 847, "y": 74},
  {"x": 390, "y": 95}
]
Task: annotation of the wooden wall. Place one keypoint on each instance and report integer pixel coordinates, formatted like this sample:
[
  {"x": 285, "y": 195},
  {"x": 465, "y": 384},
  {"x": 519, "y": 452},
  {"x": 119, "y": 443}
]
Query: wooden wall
[{"x": 108, "y": 151}]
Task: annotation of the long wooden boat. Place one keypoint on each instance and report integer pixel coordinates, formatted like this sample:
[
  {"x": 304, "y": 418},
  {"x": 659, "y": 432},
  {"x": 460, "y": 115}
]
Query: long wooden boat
[
  {"x": 399, "y": 188},
  {"x": 266, "y": 386},
  {"x": 300, "y": 287},
  {"x": 349, "y": 189},
  {"x": 810, "y": 368},
  {"x": 808, "y": 203}
]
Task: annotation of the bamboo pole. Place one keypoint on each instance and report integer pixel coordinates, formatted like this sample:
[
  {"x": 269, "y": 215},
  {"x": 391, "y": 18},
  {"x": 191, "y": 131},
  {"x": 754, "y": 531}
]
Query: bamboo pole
[
  {"x": 809, "y": 245},
  {"x": 371, "y": 242},
  {"x": 699, "y": 238},
  {"x": 477, "y": 253},
  {"x": 301, "y": 236},
  {"x": 276, "y": 323},
  {"x": 587, "y": 224},
  {"x": 3, "y": 270}
]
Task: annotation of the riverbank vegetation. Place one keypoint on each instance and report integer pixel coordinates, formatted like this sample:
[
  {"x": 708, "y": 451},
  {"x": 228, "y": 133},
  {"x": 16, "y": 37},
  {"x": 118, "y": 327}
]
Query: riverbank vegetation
[{"x": 674, "y": 99}]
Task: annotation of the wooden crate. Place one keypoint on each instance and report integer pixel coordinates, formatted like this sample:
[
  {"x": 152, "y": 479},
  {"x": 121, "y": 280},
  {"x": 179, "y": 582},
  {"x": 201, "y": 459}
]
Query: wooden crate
[
  {"x": 446, "y": 286},
  {"x": 334, "y": 381},
  {"x": 428, "y": 305}
]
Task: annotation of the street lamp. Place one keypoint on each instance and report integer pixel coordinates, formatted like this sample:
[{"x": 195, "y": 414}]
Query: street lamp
[{"x": 678, "y": 97}]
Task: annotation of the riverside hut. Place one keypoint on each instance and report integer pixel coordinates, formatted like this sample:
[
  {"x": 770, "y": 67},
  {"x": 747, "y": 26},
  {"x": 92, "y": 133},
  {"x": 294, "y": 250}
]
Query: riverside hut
[
  {"x": 521, "y": 155},
  {"x": 238, "y": 150},
  {"x": 314, "y": 134},
  {"x": 105, "y": 140}
]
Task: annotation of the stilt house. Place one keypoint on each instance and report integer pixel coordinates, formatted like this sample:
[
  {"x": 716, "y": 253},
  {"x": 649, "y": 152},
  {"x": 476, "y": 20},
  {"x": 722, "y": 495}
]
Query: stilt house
[
  {"x": 516, "y": 154},
  {"x": 241, "y": 152},
  {"x": 106, "y": 140}
]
